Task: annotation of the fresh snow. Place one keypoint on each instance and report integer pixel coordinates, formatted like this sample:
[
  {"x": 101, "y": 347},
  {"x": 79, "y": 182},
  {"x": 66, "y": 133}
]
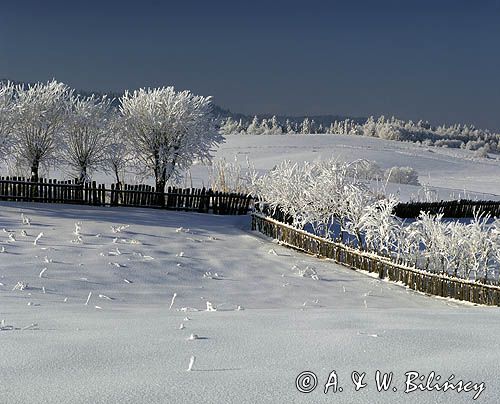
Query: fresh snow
[{"x": 83, "y": 330}]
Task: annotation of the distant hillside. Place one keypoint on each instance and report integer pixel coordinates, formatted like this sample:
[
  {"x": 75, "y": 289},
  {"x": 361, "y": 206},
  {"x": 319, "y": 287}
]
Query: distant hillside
[{"x": 222, "y": 113}]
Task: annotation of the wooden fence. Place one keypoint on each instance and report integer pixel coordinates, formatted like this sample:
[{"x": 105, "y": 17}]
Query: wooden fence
[
  {"x": 422, "y": 281},
  {"x": 70, "y": 192},
  {"x": 452, "y": 209},
  {"x": 410, "y": 210}
]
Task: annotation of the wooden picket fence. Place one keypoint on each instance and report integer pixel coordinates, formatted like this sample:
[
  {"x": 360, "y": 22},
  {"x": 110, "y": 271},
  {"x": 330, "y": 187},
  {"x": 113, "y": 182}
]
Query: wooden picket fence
[
  {"x": 20, "y": 189},
  {"x": 421, "y": 281},
  {"x": 411, "y": 210},
  {"x": 452, "y": 209}
]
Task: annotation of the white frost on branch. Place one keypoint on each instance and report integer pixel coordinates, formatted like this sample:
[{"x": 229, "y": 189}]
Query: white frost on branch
[
  {"x": 6, "y": 116},
  {"x": 40, "y": 115},
  {"x": 86, "y": 137}
]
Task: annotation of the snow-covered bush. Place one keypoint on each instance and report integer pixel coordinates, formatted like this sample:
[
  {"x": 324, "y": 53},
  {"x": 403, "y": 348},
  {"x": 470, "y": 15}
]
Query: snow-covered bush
[
  {"x": 229, "y": 176},
  {"x": 381, "y": 228},
  {"x": 468, "y": 251},
  {"x": 474, "y": 144},
  {"x": 369, "y": 170},
  {"x": 329, "y": 198},
  {"x": 482, "y": 151},
  {"x": 450, "y": 143},
  {"x": 323, "y": 194},
  {"x": 402, "y": 175}
]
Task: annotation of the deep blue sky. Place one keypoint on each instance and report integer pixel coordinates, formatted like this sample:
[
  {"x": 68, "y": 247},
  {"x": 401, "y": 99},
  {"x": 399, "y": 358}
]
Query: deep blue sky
[{"x": 434, "y": 60}]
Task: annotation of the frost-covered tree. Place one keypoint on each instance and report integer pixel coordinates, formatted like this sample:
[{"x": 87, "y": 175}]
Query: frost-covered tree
[
  {"x": 254, "y": 128},
  {"x": 289, "y": 129},
  {"x": 332, "y": 129},
  {"x": 314, "y": 126},
  {"x": 388, "y": 129},
  {"x": 117, "y": 153},
  {"x": 265, "y": 127},
  {"x": 241, "y": 127},
  {"x": 40, "y": 115},
  {"x": 229, "y": 127},
  {"x": 6, "y": 116},
  {"x": 323, "y": 194},
  {"x": 370, "y": 127},
  {"x": 168, "y": 130},
  {"x": 275, "y": 127},
  {"x": 85, "y": 135},
  {"x": 305, "y": 127}
]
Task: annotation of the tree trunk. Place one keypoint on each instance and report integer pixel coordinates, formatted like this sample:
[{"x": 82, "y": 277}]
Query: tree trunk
[
  {"x": 118, "y": 183},
  {"x": 83, "y": 175},
  {"x": 117, "y": 175},
  {"x": 160, "y": 192},
  {"x": 34, "y": 171},
  {"x": 34, "y": 178}
]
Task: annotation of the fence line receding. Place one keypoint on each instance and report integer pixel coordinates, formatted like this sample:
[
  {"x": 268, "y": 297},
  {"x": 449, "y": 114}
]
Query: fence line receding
[{"x": 419, "y": 280}]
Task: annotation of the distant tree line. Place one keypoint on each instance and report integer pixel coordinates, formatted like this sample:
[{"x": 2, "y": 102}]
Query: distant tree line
[{"x": 455, "y": 136}]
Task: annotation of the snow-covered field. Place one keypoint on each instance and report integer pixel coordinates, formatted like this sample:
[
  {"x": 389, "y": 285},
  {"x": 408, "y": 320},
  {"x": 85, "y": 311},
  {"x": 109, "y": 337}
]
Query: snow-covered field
[
  {"x": 453, "y": 173},
  {"x": 127, "y": 345}
]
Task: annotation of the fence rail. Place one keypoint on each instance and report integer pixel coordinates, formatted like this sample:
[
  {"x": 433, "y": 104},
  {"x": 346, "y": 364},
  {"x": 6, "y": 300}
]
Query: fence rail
[
  {"x": 20, "y": 189},
  {"x": 422, "y": 281}
]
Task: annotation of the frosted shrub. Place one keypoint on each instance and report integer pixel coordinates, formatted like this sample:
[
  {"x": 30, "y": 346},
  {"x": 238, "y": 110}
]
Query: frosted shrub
[
  {"x": 468, "y": 251},
  {"x": 474, "y": 144},
  {"x": 328, "y": 195},
  {"x": 402, "y": 175},
  {"x": 230, "y": 176},
  {"x": 382, "y": 229},
  {"x": 482, "y": 152},
  {"x": 369, "y": 170},
  {"x": 450, "y": 143},
  {"x": 324, "y": 194}
]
